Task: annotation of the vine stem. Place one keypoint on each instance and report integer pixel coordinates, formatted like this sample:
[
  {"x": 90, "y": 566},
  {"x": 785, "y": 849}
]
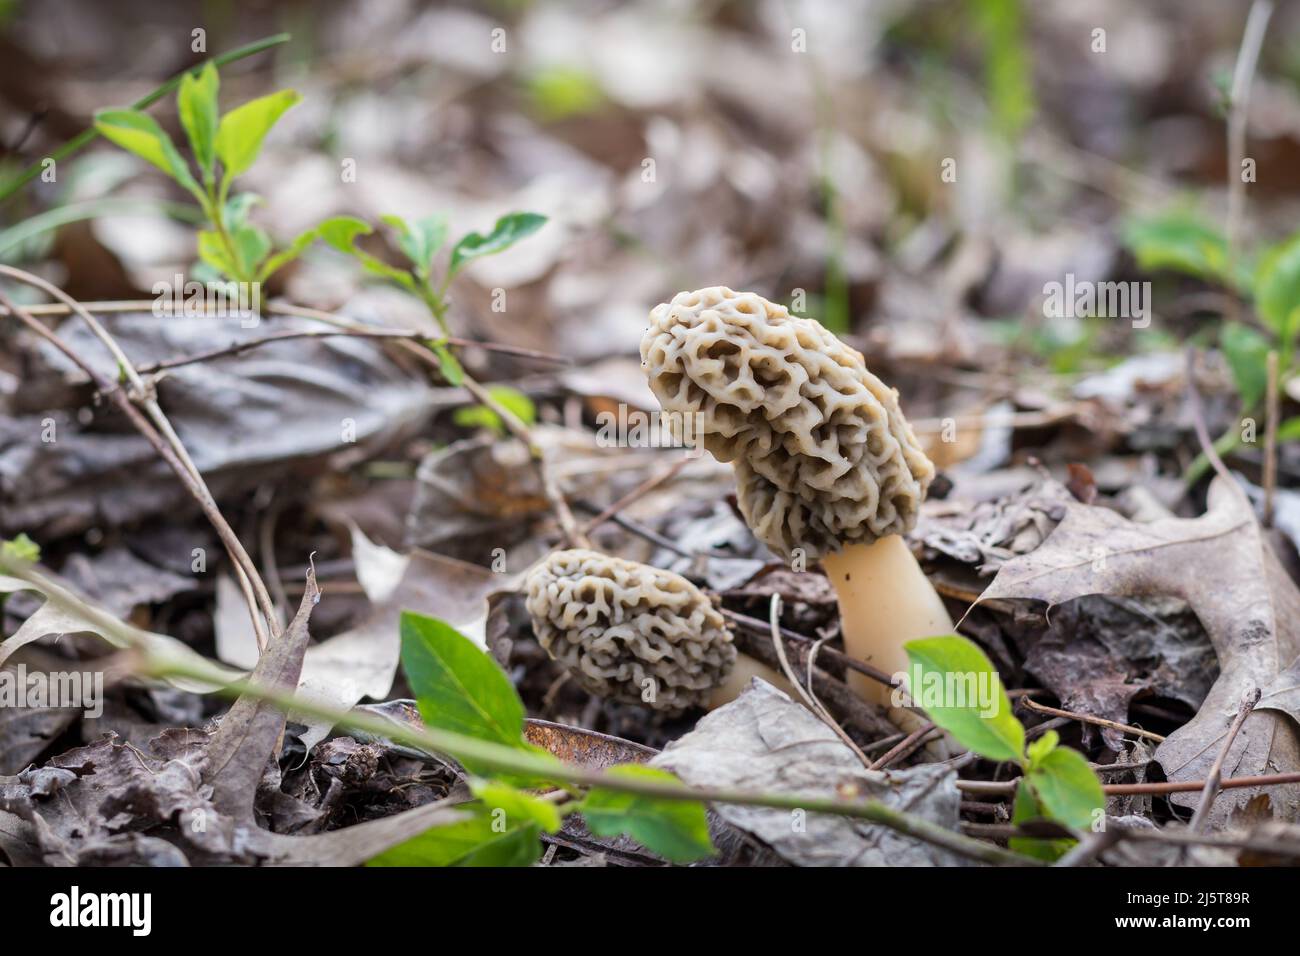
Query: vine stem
[
  {"x": 503, "y": 759},
  {"x": 140, "y": 660}
]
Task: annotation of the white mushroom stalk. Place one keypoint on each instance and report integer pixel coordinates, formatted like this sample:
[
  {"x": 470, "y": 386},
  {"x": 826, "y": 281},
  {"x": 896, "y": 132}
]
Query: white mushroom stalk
[
  {"x": 635, "y": 633},
  {"x": 826, "y": 465}
]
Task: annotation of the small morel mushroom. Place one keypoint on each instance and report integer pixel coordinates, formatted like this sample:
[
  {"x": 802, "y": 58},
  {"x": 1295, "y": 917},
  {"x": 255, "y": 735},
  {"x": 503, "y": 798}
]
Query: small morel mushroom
[
  {"x": 825, "y": 463},
  {"x": 634, "y": 633}
]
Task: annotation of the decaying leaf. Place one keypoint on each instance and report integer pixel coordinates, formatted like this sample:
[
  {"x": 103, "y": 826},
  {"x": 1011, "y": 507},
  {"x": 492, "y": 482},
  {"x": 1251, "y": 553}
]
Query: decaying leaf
[
  {"x": 763, "y": 741},
  {"x": 1223, "y": 567}
]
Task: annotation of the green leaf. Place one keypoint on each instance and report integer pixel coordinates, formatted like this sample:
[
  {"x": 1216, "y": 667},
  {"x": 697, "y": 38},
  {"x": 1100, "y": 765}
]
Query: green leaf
[
  {"x": 956, "y": 685},
  {"x": 238, "y": 207},
  {"x": 213, "y": 253},
  {"x": 1067, "y": 788},
  {"x": 1289, "y": 430},
  {"x": 341, "y": 232},
  {"x": 515, "y": 806},
  {"x": 1040, "y": 748},
  {"x": 20, "y": 548},
  {"x": 288, "y": 254},
  {"x": 251, "y": 245},
  {"x": 675, "y": 829},
  {"x": 242, "y": 130},
  {"x": 1025, "y": 809},
  {"x": 1277, "y": 290},
  {"x": 507, "y": 231},
  {"x": 1246, "y": 352},
  {"x": 477, "y": 841},
  {"x": 559, "y": 92},
  {"x": 512, "y": 400},
  {"x": 419, "y": 240},
  {"x": 458, "y": 686},
  {"x": 196, "y": 102},
  {"x": 140, "y": 134},
  {"x": 1181, "y": 241},
  {"x": 448, "y": 364}
]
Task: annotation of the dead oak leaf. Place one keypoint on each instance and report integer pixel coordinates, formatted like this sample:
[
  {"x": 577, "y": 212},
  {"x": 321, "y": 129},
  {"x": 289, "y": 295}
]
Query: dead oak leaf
[{"x": 1223, "y": 567}]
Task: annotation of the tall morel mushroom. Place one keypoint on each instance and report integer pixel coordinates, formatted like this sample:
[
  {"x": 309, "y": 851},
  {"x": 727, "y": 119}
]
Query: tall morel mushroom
[
  {"x": 635, "y": 633},
  {"x": 825, "y": 463}
]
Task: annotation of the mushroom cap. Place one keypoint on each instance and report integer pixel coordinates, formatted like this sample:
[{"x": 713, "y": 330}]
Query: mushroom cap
[
  {"x": 614, "y": 624},
  {"x": 823, "y": 456}
]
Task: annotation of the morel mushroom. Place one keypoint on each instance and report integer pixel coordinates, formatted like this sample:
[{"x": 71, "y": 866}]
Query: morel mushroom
[
  {"x": 825, "y": 463},
  {"x": 634, "y": 633}
]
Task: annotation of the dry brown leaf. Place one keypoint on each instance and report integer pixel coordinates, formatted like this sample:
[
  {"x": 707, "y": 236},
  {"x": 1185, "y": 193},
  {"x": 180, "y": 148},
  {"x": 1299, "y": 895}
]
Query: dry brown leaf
[{"x": 1223, "y": 567}]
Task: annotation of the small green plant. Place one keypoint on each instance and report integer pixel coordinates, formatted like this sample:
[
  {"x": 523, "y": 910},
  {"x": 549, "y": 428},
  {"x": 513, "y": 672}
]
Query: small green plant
[
  {"x": 958, "y": 688},
  {"x": 419, "y": 241},
  {"x": 1180, "y": 241},
  {"x": 223, "y": 147},
  {"x": 20, "y": 550},
  {"x": 461, "y": 689}
]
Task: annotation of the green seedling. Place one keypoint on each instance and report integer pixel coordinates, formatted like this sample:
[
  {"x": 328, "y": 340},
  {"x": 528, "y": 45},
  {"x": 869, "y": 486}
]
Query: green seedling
[
  {"x": 222, "y": 147},
  {"x": 1180, "y": 241},
  {"x": 957, "y": 686},
  {"x": 460, "y": 688},
  {"x": 419, "y": 241}
]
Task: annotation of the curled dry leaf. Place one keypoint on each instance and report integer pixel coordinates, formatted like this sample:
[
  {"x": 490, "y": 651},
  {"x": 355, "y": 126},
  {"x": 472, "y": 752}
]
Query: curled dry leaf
[{"x": 1223, "y": 567}]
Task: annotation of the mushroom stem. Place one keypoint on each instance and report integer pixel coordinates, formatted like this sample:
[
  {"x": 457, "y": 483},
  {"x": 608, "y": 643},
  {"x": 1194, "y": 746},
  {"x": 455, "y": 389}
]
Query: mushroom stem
[
  {"x": 885, "y": 600},
  {"x": 735, "y": 683}
]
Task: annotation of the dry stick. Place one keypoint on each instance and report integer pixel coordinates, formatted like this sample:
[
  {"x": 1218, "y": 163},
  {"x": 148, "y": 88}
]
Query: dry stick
[
  {"x": 640, "y": 491},
  {"x": 359, "y": 333},
  {"x": 343, "y": 324},
  {"x": 813, "y": 703},
  {"x": 169, "y": 447},
  {"x": 1252, "y": 39},
  {"x": 1089, "y": 719},
  {"x": 1212, "y": 782},
  {"x": 1198, "y": 421},
  {"x": 852, "y": 709},
  {"x": 1270, "y": 439},
  {"x": 997, "y": 788},
  {"x": 563, "y": 514},
  {"x": 754, "y": 624},
  {"x": 908, "y": 744},
  {"x": 568, "y": 524}
]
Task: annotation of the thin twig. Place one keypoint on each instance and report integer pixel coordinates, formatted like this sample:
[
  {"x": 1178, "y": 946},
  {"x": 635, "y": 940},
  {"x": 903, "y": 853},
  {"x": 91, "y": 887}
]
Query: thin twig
[
  {"x": 906, "y": 746},
  {"x": 1213, "y": 781},
  {"x": 574, "y": 535},
  {"x": 839, "y": 657},
  {"x": 342, "y": 326},
  {"x": 640, "y": 491},
  {"x": 992, "y": 788},
  {"x": 1198, "y": 420},
  {"x": 241, "y": 347},
  {"x": 813, "y": 703},
  {"x": 1089, "y": 719},
  {"x": 164, "y": 440}
]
